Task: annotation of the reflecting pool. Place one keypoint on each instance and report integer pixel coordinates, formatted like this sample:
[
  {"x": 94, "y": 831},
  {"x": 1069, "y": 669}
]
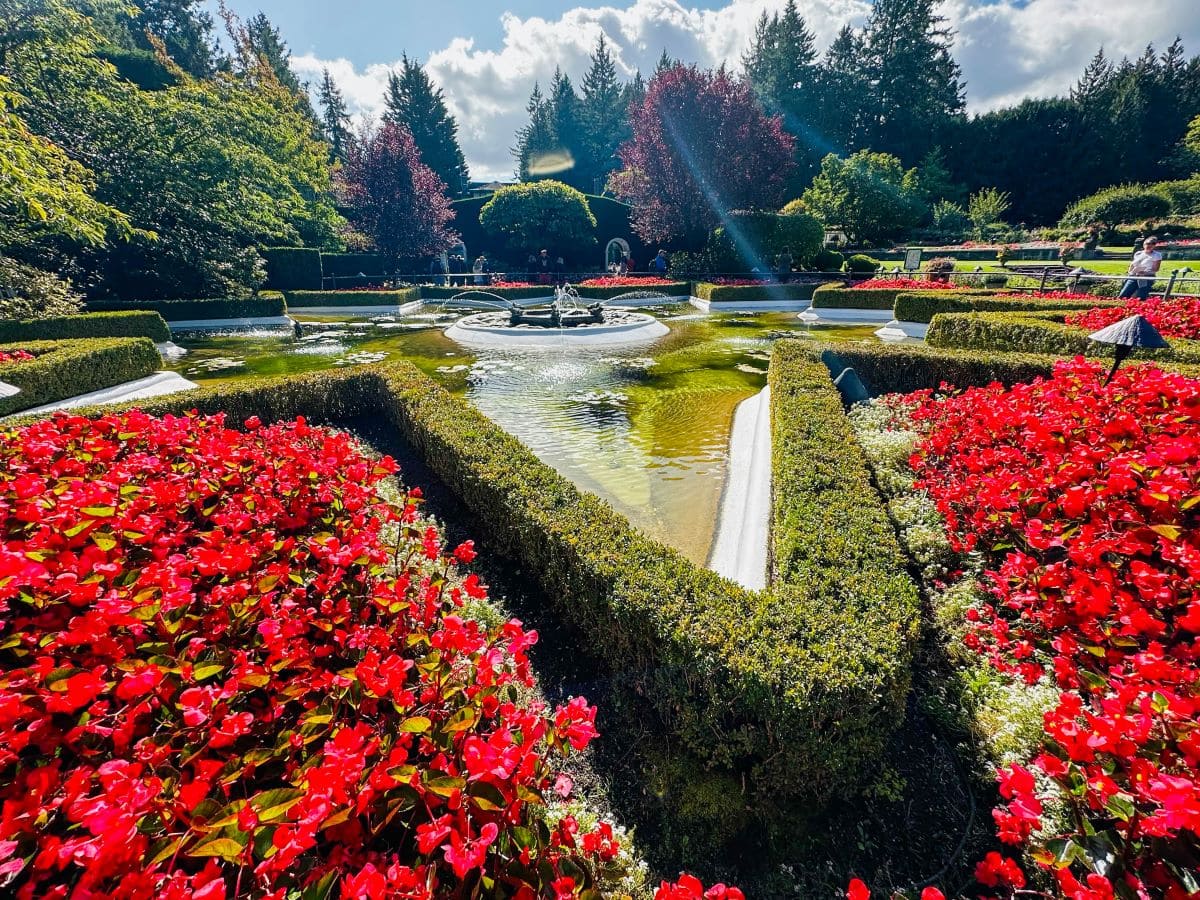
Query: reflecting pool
[{"x": 645, "y": 427}]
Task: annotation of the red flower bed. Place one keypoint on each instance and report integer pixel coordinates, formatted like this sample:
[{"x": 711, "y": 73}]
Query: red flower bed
[
  {"x": 12, "y": 356},
  {"x": 1178, "y": 317},
  {"x": 904, "y": 284},
  {"x": 1051, "y": 295},
  {"x": 501, "y": 283},
  {"x": 229, "y": 669},
  {"x": 623, "y": 281},
  {"x": 1085, "y": 500}
]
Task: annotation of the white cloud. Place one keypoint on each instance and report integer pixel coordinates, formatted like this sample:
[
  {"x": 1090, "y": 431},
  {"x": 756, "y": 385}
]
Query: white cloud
[{"x": 1008, "y": 49}]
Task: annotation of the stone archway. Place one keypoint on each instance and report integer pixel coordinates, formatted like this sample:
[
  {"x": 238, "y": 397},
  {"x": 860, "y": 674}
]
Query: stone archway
[{"x": 616, "y": 250}]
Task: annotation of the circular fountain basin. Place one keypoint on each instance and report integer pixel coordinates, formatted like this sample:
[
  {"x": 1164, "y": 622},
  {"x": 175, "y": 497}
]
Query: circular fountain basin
[{"x": 494, "y": 329}]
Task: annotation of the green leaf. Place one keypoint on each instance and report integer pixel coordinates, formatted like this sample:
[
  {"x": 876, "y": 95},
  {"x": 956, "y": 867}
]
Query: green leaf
[
  {"x": 273, "y": 804},
  {"x": 415, "y": 725},
  {"x": 445, "y": 786},
  {"x": 200, "y": 673},
  {"x": 100, "y": 512},
  {"x": 462, "y": 720},
  {"x": 223, "y": 847}
]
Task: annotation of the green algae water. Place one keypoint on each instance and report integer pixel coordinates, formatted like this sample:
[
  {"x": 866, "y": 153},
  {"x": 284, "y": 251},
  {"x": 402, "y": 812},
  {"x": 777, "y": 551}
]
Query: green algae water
[{"x": 644, "y": 427}]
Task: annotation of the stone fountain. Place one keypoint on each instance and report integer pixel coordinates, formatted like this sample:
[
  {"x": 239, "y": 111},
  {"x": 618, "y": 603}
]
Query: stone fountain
[{"x": 567, "y": 319}]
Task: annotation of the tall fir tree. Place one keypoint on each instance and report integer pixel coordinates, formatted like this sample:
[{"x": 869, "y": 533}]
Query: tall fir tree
[
  {"x": 412, "y": 100},
  {"x": 564, "y": 124},
  {"x": 335, "y": 118},
  {"x": 265, "y": 41},
  {"x": 603, "y": 117},
  {"x": 916, "y": 86},
  {"x": 664, "y": 63},
  {"x": 844, "y": 95},
  {"x": 186, "y": 31},
  {"x": 536, "y": 140},
  {"x": 780, "y": 67}
]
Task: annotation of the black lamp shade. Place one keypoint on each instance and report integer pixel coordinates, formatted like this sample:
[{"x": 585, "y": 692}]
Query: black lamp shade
[{"x": 1135, "y": 331}]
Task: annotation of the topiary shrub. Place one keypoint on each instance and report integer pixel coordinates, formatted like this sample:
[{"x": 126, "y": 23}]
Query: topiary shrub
[
  {"x": 763, "y": 241},
  {"x": 1183, "y": 195},
  {"x": 27, "y": 292},
  {"x": 541, "y": 215},
  {"x": 861, "y": 264},
  {"x": 1117, "y": 205},
  {"x": 134, "y": 323},
  {"x": 293, "y": 268},
  {"x": 269, "y": 304},
  {"x": 302, "y": 299},
  {"x": 827, "y": 260}
]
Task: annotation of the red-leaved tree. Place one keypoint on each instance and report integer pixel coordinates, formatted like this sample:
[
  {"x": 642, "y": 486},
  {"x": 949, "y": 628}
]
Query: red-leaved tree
[
  {"x": 393, "y": 197},
  {"x": 701, "y": 146}
]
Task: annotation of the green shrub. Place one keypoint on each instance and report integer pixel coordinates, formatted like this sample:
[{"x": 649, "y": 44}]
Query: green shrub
[
  {"x": 922, "y": 306},
  {"x": 790, "y": 693},
  {"x": 725, "y": 293},
  {"x": 293, "y": 268},
  {"x": 1117, "y": 205},
  {"x": 692, "y": 264},
  {"x": 1034, "y": 332},
  {"x": 828, "y": 260},
  {"x": 670, "y": 288},
  {"x": 541, "y": 215},
  {"x": 68, "y": 368},
  {"x": 861, "y": 264},
  {"x": 93, "y": 325},
  {"x": 266, "y": 303},
  {"x": 1183, "y": 195},
  {"x": 903, "y": 368},
  {"x": 301, "y": 299},
  {"x": 758, "y": 239},
  {"x": 27, "y": 292}
]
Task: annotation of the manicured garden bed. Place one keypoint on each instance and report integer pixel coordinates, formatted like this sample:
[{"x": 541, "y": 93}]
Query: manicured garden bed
[
  {"x": 922, "y": 306},
  {"x": 92, "y": 325},
  {"x": 68, "y": 368},
  {"x": 877, "y": 293},
  {"x": 1065, "y": 571},
  {"x": 607, "y": 288},
  {"x": 708, "y": 658},
  {"x": 231, "y": 665},
  {"x": 1033, "y": 332},
  {"x": 529, "y": 292},
  {"x": 302, "y": 299},
  {"x": 1176, "y": 318},
  {"x": 751, "y": 293},
  {"x": 265, "y": 304}
]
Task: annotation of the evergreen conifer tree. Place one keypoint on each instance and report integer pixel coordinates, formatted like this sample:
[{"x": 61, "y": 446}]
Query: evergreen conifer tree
[
  {"x": 335, "y": 118},
  {"x": 412, "y": 100}
]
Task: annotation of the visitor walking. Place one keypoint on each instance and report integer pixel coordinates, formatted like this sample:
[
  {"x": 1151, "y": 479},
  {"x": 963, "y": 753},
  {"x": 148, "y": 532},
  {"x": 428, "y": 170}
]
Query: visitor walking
[
  {"x": 545, "y": 267},
  {"x": 480, "y": 270},
  {"x": 1142, "y": 270},
  {"x": 660, "y": 264}
]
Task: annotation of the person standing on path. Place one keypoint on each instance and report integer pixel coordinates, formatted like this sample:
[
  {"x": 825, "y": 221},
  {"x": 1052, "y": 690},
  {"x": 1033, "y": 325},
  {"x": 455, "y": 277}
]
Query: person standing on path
[{"x": 1142, "y": 270}]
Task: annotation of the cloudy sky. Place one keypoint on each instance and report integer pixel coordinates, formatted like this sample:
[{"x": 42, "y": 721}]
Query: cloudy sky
[{"x": 486, "y": 54}]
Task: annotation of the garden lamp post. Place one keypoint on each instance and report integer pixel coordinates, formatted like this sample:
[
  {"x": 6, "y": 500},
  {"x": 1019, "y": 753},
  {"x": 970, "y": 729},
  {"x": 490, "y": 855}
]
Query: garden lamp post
[{"x": 1134, "y": 331}]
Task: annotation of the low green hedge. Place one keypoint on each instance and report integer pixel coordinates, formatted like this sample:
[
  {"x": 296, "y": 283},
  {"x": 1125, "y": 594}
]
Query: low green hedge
[
  {"x": 770, "y": 703},
  {"x": 138, "y": 323},
  {"x": 749, "y": 293},
  {"x": 293, "y": 268},
  {"x": 1036, "y": 332},
  {"x": 837, "y": 296},
  {"x": 266, "y": 303},
  {"x": 922, "y": 306},
  {"x": 670, "y": 288},
  {"x": 437, "y": 292},
  {"x": 845, "y": 613},
  {"x": 67, "y": 368},
  {"x": 301, "y": 299}
]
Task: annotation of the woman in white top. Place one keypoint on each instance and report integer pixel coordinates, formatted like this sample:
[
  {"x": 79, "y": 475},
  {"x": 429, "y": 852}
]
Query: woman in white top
[{"x": 1142, "y": 270}]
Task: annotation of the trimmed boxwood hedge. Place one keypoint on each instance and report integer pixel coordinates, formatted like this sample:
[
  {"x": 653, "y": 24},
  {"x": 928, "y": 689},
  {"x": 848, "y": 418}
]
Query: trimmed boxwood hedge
[
  {"x": 1033, "y": 332},
  {"x": 837, "y": 296},
  {"x": 138, "y": 323},
  {"x": 293, "y": 268},
  {"x": 67, "y": 368},
  {"x": 266, "y": 303},
  {"x": 772, "y": 703},
  {"x": 750, "y": 293},
  {"x": 670, "y": 288},
  {"x": 301, "y": 299},
  {"x": 436, "y": 292},
  {"x": 922, "y": 306}
]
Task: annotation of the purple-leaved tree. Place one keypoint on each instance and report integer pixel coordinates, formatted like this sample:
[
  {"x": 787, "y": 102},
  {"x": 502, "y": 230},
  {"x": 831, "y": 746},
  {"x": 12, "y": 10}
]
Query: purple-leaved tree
[
  {"x": 701, "y": 146},
  {"x": 390, "y": 195}
]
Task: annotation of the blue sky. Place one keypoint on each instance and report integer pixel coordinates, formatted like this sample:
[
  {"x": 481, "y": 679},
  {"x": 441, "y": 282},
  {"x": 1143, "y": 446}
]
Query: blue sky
[{"x": 486, "y": 54}]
